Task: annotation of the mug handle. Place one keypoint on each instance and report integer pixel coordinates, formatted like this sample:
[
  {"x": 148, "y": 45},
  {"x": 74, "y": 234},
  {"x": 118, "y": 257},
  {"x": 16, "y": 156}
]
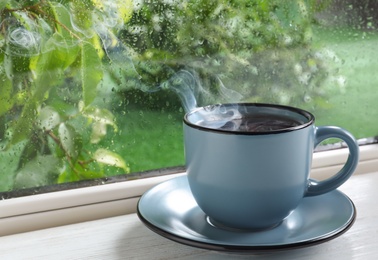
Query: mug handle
[{"x": 324, "y": 132}]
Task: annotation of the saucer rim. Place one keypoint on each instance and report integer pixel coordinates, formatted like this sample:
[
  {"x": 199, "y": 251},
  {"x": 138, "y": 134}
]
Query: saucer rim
[
  {"x": 241, "y": 248},
  {"x": 250, "y": 248}
]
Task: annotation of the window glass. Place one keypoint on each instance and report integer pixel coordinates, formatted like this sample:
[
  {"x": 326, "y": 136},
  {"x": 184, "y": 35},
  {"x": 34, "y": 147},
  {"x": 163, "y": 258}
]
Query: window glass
[{"x": 98, "y": 89}]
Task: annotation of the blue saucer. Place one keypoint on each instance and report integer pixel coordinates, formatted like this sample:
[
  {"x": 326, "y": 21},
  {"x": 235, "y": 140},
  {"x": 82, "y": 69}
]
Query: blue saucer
[{"x": 170, "y": 210}]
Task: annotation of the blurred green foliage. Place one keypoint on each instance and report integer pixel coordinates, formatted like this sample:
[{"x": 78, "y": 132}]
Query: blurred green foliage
[
  {"x": 261, "y": 49},
  {"x": 60, "y": 61},
  {"x": 51, "y": 56}
]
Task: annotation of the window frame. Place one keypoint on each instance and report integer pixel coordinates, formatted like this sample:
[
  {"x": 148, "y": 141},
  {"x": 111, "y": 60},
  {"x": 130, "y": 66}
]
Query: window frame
[
  {"x": 64, "y": 207},
  {"x": 103, "y": 201}
]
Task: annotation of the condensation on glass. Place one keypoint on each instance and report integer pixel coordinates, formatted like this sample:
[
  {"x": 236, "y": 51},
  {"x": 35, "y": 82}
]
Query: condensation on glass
[{"x": 96, "y": 90}]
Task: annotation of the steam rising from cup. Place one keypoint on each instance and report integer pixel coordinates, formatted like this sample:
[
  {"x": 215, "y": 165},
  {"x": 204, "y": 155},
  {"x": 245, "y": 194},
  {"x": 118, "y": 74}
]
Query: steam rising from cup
[
  {"x": 188, "y": 87},
  {"x": 220, "y": 116}
]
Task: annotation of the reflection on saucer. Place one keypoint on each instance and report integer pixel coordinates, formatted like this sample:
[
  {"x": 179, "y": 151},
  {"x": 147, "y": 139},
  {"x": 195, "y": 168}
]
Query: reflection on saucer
[{"x": 170, "y": 210}]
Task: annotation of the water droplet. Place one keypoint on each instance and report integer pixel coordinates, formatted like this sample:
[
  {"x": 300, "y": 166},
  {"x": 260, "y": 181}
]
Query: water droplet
[{"x": 307, "y": 98}]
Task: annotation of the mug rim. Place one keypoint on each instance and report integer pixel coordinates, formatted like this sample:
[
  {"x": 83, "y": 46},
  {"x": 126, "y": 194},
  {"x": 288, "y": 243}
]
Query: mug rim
[{"x": 306, "y": 114}]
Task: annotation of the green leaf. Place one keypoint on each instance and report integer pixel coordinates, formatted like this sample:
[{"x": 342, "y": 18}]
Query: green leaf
[
  {"x": 79, "y": 173},
  {"x": 16, "y": 64},
  {"x": 71, "y": 141},
  {"x": 101, "y": 115},
  {"x": 102, "y": 118},
  {"x": 82, "y": 12},
  {"x": 34, "y": 147},
  {"x": 88, "y": 174},
  {"x": 8, "y": 65},
  {"x": 6, "y": 103},
  {"x": 58, "y": 53},
  {"x": 98, "y": 132},
  {"x": 63, "y": 16},
  {"x": 68, "y": 175},
  {"x": 91, "y": 72},
  {"x": 24, "y": 124},
  {"x": 42, "y": 170},
  {"x": 110, "y": 158},
  {"x": 48, "y": 118},
  {"x": 9, "y": 161}
]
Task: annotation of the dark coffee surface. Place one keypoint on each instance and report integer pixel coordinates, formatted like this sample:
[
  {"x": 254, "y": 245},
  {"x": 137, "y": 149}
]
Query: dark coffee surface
[{"x": 257, "y": 123}]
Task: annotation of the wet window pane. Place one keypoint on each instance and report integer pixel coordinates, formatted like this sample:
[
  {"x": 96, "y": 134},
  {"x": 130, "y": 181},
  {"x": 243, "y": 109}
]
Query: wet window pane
[{"x": 94, "y": 89}]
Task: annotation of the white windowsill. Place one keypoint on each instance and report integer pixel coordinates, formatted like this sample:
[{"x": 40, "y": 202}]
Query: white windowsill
[
  {"x": 126, "y": 237},
  {"x": 91, "y": 203}
]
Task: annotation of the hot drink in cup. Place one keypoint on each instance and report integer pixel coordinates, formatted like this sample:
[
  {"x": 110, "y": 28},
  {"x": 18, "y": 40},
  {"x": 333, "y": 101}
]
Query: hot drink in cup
[{"x": 248, "y": 165}]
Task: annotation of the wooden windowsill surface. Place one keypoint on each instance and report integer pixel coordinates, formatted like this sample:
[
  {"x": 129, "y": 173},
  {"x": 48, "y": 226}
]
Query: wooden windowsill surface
[{"x": 125, "y": 237}]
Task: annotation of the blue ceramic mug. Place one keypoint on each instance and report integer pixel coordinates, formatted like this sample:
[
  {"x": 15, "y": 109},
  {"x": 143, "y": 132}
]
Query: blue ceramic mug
[{"x": 248, "y": 165}]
